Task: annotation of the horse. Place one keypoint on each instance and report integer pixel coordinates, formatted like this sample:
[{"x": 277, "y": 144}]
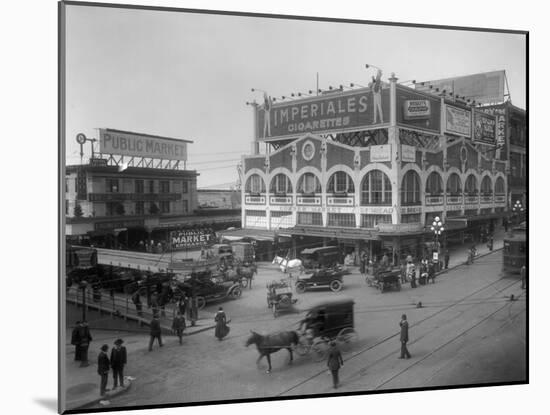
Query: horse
[
  {"x": 247, "y": 272},
  {"x": 288, "y": 265},
  {"x": 271, "y": 343}
]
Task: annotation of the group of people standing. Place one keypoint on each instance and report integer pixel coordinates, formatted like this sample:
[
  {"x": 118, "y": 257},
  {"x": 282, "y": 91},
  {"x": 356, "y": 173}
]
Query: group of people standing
[{"x": 116, "y": 363}]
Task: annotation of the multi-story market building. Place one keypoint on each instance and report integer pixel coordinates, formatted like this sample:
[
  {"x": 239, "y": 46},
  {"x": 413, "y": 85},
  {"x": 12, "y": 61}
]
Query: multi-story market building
[{"x": 370, "y": 168}]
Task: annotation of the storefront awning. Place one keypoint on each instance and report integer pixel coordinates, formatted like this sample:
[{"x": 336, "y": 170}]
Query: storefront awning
[
  {"x": 332, "y": 232},
  {"x": 256, "y": 234}
]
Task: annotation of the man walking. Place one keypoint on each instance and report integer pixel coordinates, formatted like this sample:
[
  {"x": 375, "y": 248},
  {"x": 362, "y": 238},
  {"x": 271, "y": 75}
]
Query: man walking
[
  {"x": 103, "y": 366},
  {"x": 404, "y": 337},
  {"x": 446, "y": 257},
  {"x": 178, "y": 325},
  {"x": 155, "y": 332},
  {"x": 334, "y": 363},
  {"x": 118, "y": 360},
  {"x": 84, "y": 338}
]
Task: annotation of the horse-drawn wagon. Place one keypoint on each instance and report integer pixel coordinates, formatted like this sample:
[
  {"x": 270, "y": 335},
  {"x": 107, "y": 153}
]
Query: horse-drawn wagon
[{"x": 279, "y": 296}]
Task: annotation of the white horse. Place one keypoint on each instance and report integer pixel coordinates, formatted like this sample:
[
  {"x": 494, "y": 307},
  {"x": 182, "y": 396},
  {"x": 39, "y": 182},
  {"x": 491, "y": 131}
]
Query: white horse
[{"x": 288, "y": 265}]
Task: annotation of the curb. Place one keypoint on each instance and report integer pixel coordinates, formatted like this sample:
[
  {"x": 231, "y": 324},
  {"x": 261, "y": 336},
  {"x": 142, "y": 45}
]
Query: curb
[
  {"x": 95, "y": 401},
  {"x": 465, "y": 262}
]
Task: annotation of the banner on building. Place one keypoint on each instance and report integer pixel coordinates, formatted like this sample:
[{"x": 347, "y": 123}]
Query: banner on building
[
  {"x": 500, "y": 118},
  {"x": 458, "y": 121},
  {"x": 485, "y": 88},
  {"x": 125, "y": 143},
  {"x": 418, "y": 110},
  {"x": 484, "y": 128},
  {"x": 337, "y": 111},
  {"x": 191, "y": 238}
]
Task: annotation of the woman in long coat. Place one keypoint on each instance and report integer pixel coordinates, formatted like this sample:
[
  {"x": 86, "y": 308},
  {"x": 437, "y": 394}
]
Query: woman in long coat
[{"x": 221, "y": 324}]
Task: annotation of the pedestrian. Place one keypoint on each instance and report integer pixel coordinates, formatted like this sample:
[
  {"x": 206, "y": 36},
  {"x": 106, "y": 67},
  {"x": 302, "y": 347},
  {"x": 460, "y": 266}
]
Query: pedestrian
[
  {"x": 403, "y": 270},
  {"x": 155, "y": 332},
  {"x": 222, "y": 329},
  {"x": 84, "y": 338},
  {"x": 155, "y": 304},
  {"x": 362, "y": 262},
  {"x": 178, "y": 325},
  {"x": 75, "y": 341},
  {"x": 103, "y": 366},
  {"x": 490, "y": 243},
  {"x": 523, "y": 274},
  {"x": 447, "y": 256},
  {"x": 431, "y": 272},
  {"x": 136, "y": 299},
  {"x": 193, "y": 309},
  {"x": 505, "y": 224},
  {"x": 118, "y": 360},
  {"x": 404, "y": 324},
  {"x": 413, "y": 276},
  {"x": 182, "y": 304},
  {"x": 334, "y": 363}
]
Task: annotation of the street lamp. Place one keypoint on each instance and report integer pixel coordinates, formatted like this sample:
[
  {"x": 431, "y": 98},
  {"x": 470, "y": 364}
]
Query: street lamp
[
  {"x": 437, "y": 228},
  {"x": 83, "y": 285},
  {"x": 517, "y": 209}
]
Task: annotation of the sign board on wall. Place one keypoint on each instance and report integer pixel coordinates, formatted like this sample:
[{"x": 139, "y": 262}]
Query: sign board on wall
[
  {"x": 125, "y": 143},
  {"x": 408, "y": 153},
  {"x": 380, "y": 153},
  {"x": 191, "y": 238},
  {"x": 418, "y": 110},
  {"x": 458, "y": 121},
  {"x": 500, "y": 116},
  {"x": 338, "y": 111},
  {"x": 484, "y": 128}
]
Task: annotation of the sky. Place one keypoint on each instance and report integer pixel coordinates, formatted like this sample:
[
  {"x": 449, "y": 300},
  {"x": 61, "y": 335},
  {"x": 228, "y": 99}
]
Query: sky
[{"x": 189, "y": 76}]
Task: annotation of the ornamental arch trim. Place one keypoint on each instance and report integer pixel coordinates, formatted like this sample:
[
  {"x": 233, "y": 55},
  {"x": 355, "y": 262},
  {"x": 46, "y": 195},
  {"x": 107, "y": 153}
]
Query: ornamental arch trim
[{"x": 283, "y": 170}]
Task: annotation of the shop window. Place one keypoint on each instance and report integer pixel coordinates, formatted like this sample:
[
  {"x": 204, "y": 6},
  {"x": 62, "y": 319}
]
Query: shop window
[
  {"x": 340, "y": 182},
  {"x": 486, "y": 186},
  {"x": 140, "y": 187},
  {"x": 112, "y": 185},
  {"x": 434, "y": 184},
  {"x": 471, "y": 185},
  {"x": 140, "y": 208},
  {"x": 346, "y": 220},
  {"x": 371, "y": 221},
  {"x": 281, "y": 219},
  {"x": 410, "y": 218},
  {"x": 310, "y": 218},
  {"x": 410, "y": 188},
  {"x": 255, "y": 184},
  {"x": 164, "y": 206},
  {"x": 184, "y": 187},
  {"x": 454, "y": 185},
  {"x": 280, "y": 185},
  {"x": 376, "y": 189},
  {"x": 164, "y": 186},
  {"x": 151, "y": 186},
  {"x": 309, "y": 184}
]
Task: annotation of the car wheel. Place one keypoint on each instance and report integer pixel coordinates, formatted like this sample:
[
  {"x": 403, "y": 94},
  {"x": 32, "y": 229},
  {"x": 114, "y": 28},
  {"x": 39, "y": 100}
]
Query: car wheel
[
  {"x": 300, "y": 287},
  {"x": 335, "y": 285},
  {"x": 236, "y": 292}
]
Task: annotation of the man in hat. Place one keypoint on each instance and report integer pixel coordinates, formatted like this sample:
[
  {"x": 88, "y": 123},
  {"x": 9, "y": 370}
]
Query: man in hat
[
  {"x": 178, "y": 325},
  {"x": 118, "y": 360},
  {"x": 103, "y": 366},
  {"x": 155, "y": 332},
  {"x": 404, "y": 324},
  {"x": 334, "y": 363}
]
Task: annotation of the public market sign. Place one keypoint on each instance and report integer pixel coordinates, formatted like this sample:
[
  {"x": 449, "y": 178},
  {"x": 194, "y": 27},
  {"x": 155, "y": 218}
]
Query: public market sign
[
  {"x": 190, "y": 238},
  {"x": 338, "y": 111},
  {"x": 141, "y": 145}
]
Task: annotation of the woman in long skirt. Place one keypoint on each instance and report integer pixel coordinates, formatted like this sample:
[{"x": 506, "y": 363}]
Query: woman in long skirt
[{"x": 221, "y": 324}]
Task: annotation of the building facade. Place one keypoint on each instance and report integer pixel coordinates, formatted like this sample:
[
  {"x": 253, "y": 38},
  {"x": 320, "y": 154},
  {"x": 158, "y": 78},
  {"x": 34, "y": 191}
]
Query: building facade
[{"x": 370, "y": 169}]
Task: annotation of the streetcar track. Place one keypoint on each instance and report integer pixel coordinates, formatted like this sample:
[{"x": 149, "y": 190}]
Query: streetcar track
[{"x": 387, "y": 338}]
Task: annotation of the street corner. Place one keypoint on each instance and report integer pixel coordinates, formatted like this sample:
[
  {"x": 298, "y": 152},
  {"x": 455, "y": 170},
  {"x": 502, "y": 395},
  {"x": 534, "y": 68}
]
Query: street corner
[{"x": 86, "y": 395}]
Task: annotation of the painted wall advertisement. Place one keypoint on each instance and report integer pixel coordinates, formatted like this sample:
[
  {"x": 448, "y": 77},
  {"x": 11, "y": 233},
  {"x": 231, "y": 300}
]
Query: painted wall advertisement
[
  {"x": 418, "y": 110},
  {"x": 141, "y": 145},
  {"x": 191, "y": 238},
  {"x": 484, "y": 128},
  {"x": 337, "y": 111},
  {"x": 458, "y": 121}
]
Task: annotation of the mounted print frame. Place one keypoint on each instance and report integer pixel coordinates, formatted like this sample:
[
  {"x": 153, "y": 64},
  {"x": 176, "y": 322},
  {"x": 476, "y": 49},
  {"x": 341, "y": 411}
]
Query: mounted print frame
[{"x": 252, "y": 210}]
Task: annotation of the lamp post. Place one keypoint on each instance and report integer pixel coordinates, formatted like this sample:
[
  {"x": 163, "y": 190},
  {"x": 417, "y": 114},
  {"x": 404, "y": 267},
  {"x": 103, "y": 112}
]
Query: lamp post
[
  {"x": 437, "y": 228},
  {"x": 517, "y": 209},
  {"x": 83, "y": 284}
]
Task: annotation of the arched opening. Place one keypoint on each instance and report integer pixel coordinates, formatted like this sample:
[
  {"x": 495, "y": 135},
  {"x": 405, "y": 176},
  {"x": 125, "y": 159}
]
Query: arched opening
[
  {"x": 499, "y": 186},
  {"x": 255, "y": 184},
  {"x": 486, "y": 186},
  {"x": 376, "y": 189},
  {"x": 434, "y": 184},
  {"x": 309, "y": 184},
  {"x": 340, "y": 183},
  {"x": 280, "y": 185},
  {"x": 410, "y": 188},
  {"x": 471, "y": 188},
  {"x": 454, "y": 185}
]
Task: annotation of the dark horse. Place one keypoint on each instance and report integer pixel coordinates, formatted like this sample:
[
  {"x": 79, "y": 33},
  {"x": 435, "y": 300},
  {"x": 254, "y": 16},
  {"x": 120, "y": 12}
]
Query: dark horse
[{"x": 272, "y": 343}]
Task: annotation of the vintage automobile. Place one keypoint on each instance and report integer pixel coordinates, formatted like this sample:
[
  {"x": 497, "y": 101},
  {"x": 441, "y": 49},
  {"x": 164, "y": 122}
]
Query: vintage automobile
[
  {"x": 324, "y": 322},
  {"x": 326, "y": 256},
  {"x": 322, "y": 277},
  {"x": 279, "y": 296},
  {"x": 385, "y": 280},
  {"x": 207, "y": 290}
]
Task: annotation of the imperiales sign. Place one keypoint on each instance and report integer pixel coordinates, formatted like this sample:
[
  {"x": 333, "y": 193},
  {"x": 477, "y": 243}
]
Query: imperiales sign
[
  {"x": 190, "y": 238},
  {"x": 335, "y": 111}
]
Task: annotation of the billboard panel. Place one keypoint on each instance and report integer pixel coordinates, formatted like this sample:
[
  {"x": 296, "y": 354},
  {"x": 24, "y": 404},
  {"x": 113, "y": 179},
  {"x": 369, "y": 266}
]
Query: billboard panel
[
  {"x": 418, "y": 110},
  {"x": 499, "y": 112},
  {"x": 191, "y": 238},
  {"x": 458, "y": 121},
  {"x": 487, "y": 87},
  {"x": 126, "y": 143},
  {"x": 484, "y": 128},
  {"x": 340, "y": 111}
]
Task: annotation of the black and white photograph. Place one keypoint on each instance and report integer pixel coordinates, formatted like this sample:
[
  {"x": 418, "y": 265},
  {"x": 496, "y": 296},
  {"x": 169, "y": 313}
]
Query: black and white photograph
[{"x": 262, "y": 207}]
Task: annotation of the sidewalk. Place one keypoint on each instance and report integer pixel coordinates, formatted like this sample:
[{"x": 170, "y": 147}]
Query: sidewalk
[{"x": 459, "y": 254}]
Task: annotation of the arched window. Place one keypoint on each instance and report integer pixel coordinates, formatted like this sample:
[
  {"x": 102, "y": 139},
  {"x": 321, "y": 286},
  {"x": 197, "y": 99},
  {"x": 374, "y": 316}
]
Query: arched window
[
  {"x": 280, "y": 184},
  {"x": 434, "y": 184},
  {"x": 410, "y": 188},
  {"x": 486, "y": 186},
  {"x": 255, "y": 184},
  {"x": 309, "y": 183},
  {"x": 376, "y": 189},
  {"x": 454, "y": 185},
  {"x": 340, "y": 182},
  {"x": 471, "y": 185},
  {"x": 499, "y": 186}
]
